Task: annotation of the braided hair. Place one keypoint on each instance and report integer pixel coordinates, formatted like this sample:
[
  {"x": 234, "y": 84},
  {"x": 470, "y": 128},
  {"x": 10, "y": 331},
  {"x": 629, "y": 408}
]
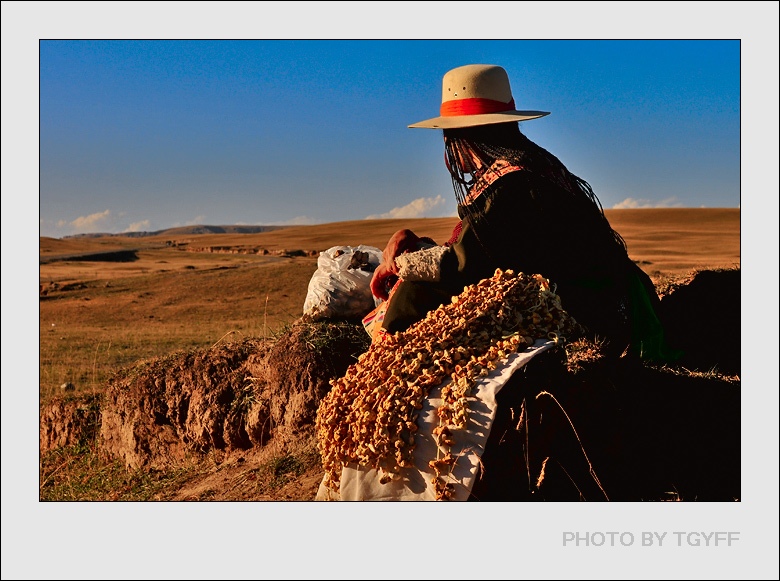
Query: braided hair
[{"x": 504, "y": 141}]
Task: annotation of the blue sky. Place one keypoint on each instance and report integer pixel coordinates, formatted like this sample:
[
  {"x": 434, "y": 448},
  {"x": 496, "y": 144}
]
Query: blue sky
[
  {"x": 117, "y": 136},
  {"x": 144, "y": 135},
  {"x": 149, "y": 134}
]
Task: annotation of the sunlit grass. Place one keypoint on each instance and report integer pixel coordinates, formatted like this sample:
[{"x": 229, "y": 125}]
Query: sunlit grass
[
  {"x": 79, "y": 473},
  {"x": 89, "y": 332}
]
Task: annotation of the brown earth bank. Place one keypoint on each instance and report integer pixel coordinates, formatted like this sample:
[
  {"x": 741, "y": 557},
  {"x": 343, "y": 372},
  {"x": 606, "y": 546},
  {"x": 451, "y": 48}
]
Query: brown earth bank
[{"x": 235, "y": 421}]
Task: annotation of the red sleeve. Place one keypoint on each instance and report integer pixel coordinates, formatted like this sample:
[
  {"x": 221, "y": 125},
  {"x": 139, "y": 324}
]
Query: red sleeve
[{"x": 455, "y": 234}]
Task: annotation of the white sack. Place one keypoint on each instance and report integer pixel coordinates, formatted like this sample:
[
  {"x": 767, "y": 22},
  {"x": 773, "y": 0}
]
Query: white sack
[{"x": 338, "y": 289}]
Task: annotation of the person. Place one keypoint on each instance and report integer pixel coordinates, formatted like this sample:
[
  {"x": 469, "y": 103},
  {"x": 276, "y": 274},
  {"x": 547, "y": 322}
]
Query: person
[{"x": 520, "y": 208}]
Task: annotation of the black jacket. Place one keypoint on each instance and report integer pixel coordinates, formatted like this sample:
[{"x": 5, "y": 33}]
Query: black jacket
[{"x": 531, "y": 225}]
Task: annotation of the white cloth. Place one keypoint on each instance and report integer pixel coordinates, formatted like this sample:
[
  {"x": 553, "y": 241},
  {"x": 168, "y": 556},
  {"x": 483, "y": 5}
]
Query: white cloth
[
  {"x": 422, "y": 265},
  {"x": 359, "y": 483}
]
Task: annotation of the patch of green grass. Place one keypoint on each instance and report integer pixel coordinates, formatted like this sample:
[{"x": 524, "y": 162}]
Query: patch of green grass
[
  {"x": 78, "y": 473},
  {"x": 282, "y": 469},
  {"x": 330, "y": 336},
  {"x": 330, "y": 339},
  {"x": 244, "y": 399}
]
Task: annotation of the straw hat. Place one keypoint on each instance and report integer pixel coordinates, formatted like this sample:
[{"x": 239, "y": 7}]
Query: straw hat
[{"x": 476, "y": 95}]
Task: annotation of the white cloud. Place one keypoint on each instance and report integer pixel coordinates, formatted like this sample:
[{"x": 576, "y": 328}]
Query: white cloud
[
  {"x": 138, "y": 226},
  {"x": 633, "y": 203},
  {"x": 89, "y": 223},
  {"x": 419, "y": 208}
]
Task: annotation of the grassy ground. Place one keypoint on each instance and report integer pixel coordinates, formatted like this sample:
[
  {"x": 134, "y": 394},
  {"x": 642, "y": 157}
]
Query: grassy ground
[
  {"x": 92, "y": 327},
  {"x": 80, "y": 473},
  {"x": 98, "y": 317}
]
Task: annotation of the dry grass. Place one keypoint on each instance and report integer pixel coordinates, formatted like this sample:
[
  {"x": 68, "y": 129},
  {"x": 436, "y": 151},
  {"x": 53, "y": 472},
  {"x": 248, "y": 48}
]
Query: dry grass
[
  {"x": 674, "y": 241},
  {"x": 98, "y": 316},
  {"x": 90, "y": 329}
]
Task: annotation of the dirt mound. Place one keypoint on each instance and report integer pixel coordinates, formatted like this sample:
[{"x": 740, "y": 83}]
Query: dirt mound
[
  {"x": 68, "y": 421},
  {"x": 702, "y": 316},
  {"x": 231, "y": 397}
]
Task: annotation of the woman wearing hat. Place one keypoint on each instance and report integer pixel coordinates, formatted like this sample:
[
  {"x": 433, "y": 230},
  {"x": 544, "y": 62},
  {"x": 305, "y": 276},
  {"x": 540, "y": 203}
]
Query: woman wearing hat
[{"x": 520, "y": 209}]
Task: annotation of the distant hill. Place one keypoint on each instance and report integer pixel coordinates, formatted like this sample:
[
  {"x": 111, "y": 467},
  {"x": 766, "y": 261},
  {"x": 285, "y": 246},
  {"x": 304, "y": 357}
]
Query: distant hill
[{"x": 185, "y": 230}]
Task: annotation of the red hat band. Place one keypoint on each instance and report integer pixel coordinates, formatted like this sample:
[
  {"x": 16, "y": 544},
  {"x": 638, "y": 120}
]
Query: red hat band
[{"x": 474, "y": 106}]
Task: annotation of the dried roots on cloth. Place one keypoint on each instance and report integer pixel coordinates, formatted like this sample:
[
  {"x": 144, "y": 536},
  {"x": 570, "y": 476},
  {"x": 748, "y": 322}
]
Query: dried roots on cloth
[{"x": 370, "y": 417}]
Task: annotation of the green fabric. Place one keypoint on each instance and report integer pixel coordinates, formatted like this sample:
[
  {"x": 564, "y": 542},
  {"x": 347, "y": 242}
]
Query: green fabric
[{"x": 647, "y": 332}]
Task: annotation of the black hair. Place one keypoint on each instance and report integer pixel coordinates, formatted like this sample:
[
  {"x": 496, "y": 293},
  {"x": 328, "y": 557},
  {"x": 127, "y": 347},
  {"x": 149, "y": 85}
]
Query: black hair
[{"x": 505, "y": 141}]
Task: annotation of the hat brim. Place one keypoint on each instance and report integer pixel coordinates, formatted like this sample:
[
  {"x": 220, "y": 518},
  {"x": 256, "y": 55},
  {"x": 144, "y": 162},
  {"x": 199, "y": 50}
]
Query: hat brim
[{"x": 458, "y": 121}]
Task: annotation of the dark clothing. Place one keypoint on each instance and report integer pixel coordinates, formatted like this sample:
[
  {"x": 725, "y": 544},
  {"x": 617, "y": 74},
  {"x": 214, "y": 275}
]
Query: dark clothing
[{"x": 530, "y": 224}]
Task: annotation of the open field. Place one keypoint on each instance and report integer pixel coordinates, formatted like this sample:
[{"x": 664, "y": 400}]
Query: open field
[
  {"x": 178, "y": 291},
  {"x": 146, "y": 333}
]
